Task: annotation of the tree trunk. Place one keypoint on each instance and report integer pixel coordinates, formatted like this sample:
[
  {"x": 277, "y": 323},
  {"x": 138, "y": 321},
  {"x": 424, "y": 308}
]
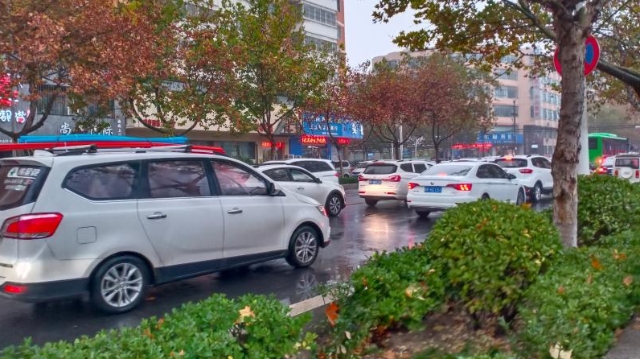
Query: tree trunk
[
  {"x": 565, "y": 157},
  {"x": 338, "y": 150},
  {"x": 436, "y": 149},
  {"x": 396, "y": 151}
]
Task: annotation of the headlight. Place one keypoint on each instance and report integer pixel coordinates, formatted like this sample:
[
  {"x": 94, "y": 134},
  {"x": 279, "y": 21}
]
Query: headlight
[{"x": 322, "y": 210}]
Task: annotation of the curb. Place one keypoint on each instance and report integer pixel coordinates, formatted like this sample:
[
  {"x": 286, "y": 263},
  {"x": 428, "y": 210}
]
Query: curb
[{"x": 309, "y": 305}]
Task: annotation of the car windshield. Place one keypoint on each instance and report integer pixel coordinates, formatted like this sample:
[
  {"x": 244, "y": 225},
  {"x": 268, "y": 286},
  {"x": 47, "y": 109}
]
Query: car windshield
[
  {"x": 380, "y": 169},
  {"x": 628, "y": 162},
  {"x": 609, "y": 161},
  {"x": 447, "y": 170},
  {"x": 511, "y": 162}
]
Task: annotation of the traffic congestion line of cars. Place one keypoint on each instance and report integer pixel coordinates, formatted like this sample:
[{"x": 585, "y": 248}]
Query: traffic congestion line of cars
[{"x": 110, "y": 223}]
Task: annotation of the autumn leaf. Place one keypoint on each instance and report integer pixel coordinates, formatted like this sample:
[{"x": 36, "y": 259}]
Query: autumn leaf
[
  {"x": 595, "y": 263},
  {"x": 245, "y": 312},
  {"x": 628, "y": 280},
  {"x": 526, "y": 205},
  {"x": 159, "y": 323},
  {"x": 332, "y": 313},
  {"x": 147, "y": 333},
  {"x": 561, "y": 290}
]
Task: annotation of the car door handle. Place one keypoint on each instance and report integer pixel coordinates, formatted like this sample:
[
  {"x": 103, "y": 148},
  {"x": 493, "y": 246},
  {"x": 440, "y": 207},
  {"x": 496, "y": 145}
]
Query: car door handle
[
  {"x": 300, "y": 188},
  {"x": 156, "y": 215},
  {"x": 234, "y": 211}
]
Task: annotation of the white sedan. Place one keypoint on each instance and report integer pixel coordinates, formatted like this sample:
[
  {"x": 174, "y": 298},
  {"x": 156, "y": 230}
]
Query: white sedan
[
  {"x": 446, "y": 184},
  {"x": 299, "y": 180}
]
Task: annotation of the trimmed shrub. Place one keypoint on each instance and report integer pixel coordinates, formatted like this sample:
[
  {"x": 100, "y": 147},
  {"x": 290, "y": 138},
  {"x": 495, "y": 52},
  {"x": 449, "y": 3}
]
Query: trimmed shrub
[
  {"x": 607, "y": 205},
  {"x": 348, "y": 180},
  {"x": 391, "y": 290},
  {"x": 249, "y": 327},
  {"x": 489, "y": 252}
]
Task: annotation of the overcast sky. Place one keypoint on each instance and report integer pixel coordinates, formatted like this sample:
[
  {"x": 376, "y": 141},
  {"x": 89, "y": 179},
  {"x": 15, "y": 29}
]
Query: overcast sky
[{"x": 366, "y": 40}]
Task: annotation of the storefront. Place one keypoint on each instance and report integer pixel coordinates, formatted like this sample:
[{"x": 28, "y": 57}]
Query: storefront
[
  {"x": 502, "y": 143},
  {"x": 316, "y": 140}
]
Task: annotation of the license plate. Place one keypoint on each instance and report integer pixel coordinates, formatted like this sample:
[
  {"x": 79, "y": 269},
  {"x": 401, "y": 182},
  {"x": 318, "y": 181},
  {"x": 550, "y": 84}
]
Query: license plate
[
  {"x": 431, "y": 189},
  {"x": 375, "y": 181}
]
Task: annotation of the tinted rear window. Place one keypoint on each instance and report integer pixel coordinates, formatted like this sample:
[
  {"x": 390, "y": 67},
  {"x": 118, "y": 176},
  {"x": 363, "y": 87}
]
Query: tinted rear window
[
  {"x": 20, "y": 185},
  {"x": 511, "y": 163},
  {"x": 448, "y": 170},
  {"x": 381, "y": 169},
  {"x": 628, "y": 162}
]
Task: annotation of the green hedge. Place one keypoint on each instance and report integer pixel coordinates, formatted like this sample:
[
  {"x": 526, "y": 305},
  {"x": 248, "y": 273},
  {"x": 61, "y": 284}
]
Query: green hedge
[
  {"x": 348, "y": 180},
  {"x": 489, "y": 252},
  {"x": 583, "y": 299},
  {"x": 252, "y": 327}
]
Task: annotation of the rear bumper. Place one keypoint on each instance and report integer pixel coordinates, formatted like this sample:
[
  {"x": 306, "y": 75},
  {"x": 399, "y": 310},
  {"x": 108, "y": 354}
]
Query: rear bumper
[
  {"x": 379, "y": 197},
  {"x": 435, "y": 206},
  {"x": 45, "y": 291}
]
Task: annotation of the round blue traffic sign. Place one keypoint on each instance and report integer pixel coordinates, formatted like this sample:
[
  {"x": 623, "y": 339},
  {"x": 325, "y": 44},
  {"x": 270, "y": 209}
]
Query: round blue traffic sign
[{"x": 591, "y": 56}]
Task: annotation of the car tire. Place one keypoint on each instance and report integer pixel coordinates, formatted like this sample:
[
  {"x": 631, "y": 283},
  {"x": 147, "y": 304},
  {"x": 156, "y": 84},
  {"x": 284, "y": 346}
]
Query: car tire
[
  {"x": 422, "y": 214},
  {"x": 129, "y": 276},
  {"x": 333, "y": 204},
  {"x": 536, "y": 192},
  {"x": 520, "y": 198},
  {"x": 303, "y": 247},
  {"x": 371, "y": 202},
  {"x": 346, "y": 175},
  {"x": 485, "y": 197}
]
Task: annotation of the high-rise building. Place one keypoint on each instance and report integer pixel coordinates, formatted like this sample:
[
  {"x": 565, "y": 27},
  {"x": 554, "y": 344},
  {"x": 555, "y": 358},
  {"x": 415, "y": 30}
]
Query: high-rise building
[{"x": 527, "y": 110}]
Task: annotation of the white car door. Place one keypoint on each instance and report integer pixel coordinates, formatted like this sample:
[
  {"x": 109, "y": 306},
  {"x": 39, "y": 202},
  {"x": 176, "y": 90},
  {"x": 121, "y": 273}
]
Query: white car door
[
  {"x": 253, "y": 219},
  {"x": 483, "y": 182},
  {"x": 181, "y": 218},
  {"x": 545, "y": 170},
  {"x": 502, "y": 188},
  {"x": 305, "y": 184}
]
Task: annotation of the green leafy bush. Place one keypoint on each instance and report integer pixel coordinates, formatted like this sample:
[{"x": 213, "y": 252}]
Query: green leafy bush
[
  {"x": 607, "y": 205},
  {"x": 348, "y": 180},
  {"x": 249, "y": 327},
  {"x": 390, "y": 290},
  {"x": 489, "y": 252},
  {"x": 582, "y": 300}
]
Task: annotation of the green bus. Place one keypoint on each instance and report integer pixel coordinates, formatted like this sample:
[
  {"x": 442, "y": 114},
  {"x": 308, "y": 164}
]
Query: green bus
[{"x": 606, "y": 144}]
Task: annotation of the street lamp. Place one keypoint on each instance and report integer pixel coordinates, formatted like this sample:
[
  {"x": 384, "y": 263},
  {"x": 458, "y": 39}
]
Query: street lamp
[{"x": 515, "y": 128}]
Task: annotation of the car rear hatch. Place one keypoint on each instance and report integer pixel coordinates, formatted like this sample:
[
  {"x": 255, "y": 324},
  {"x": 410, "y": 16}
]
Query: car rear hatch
[
  {"x": 442, "y": 181},
  {"x": 516, "y": 166},
  {"x": 627, "y": 167},
  {"x": 21, "y": 180},
  {"x": 379, "y": 175}
]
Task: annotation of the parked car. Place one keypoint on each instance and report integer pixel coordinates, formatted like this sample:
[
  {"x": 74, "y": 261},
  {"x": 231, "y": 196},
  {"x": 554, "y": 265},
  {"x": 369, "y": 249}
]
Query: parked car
[
  {"x": 321, "y": 168},
  {"x": 359, "y": 167},
  {"x": 299, "y": 180},
  {"x": 533, "y": 171},
  {"x": 346, "y": 168},
  {"x": 110, "y": 224},
  {"x": 627, "y": 166},
  {"x": 388, "y": 180},
  {"x": 447, "y": 184}
]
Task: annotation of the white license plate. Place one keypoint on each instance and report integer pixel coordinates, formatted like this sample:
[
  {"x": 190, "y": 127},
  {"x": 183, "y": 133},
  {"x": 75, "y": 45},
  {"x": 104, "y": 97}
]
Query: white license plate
[{"x": 375, "y": 181}]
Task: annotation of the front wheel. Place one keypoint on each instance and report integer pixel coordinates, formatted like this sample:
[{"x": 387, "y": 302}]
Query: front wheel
[
  {"x": 422, "y": 213},
  {"x": 521, "y": 198},
  {"x": 303, "y": 247},
  {"x": 536, "y": 193},
  {"x": 119, "y": 284},
  {"x": 333, "y": 204},
  {"x": 370, "y": 202}
]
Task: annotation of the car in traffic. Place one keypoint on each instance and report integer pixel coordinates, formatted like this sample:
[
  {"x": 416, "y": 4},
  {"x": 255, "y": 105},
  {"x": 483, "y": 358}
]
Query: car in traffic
[
  {"x": 627, "y": 167},
  {"x": 359, "y": 168},
  {"x": 346, "y": 168},
  {"x": 112, "y": 223},
  {"x": 533, "y": 171},
  {"x": 446, "y": 185},
  {"x": 321, "y": 168},
  {"x": 301, "y": 181},
  {"x": 606, "y": 166},
  {"x": 388, "y": 179}
]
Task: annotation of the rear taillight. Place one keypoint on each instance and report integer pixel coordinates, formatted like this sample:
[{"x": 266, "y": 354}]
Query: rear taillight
[
  {"x": 31, "y": 226},
  {"x": 361, "y": 178},
  {"x": 337, "y": 174},
  {"x": 394, "y": 178},
  {"x": 322, "y": 210},
  {"x": 637, "y": 174},
  {"x": 413, "y": 185},
  {"x": 526, "y": 170},
  {"x": 464, "y": 187},
  {"x": 14, "y": 289}
]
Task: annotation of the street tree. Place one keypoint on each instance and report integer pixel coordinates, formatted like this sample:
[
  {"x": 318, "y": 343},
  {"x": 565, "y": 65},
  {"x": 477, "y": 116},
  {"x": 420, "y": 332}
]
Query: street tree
[
  {"x": 66, "y": 49},
  {"x": 450, "y": 98},
  {"x": 193, "y": 81},
  {"x": 492, "y": 30},
  {"x": 281, "y": 70},
  {"x": 382, "y": 100}
]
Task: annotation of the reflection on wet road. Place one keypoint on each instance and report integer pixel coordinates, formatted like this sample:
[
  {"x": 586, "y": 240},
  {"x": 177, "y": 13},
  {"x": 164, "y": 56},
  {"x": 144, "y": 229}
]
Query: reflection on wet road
[{"x": 356, "y": 234}]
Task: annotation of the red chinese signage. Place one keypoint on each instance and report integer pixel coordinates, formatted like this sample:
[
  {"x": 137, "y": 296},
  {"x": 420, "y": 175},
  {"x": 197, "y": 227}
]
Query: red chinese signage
[
  {"x": 313, "y": 140},
  {"x": 267, "y": 144},
  {"x": 153, "y": 123},
  {"x": 342, "y": 141},
  {"x": 468, "y": 146}
]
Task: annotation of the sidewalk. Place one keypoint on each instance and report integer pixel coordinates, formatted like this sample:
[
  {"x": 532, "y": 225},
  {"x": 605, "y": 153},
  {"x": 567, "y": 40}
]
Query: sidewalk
[{"x": 628, "y": 345}]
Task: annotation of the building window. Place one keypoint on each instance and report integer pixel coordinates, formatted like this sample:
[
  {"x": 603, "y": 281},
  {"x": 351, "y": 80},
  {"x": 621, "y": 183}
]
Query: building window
[
  {"x": 504, "y": 75},
  {"x": 315, "y": 13},
  {"x": 506, "y": 92},
  {"x": 59, "y": 103},
  {"x": 321, "y": 44},
  {"x": 338, "y": 5},
  {"x": 505, "y": 110}
]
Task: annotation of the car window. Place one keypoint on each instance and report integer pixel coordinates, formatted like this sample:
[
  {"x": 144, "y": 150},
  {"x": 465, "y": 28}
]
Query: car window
[
  {"x": 419, "y": 167},
  {"x": 406, "y": 167},
  {"x": 628, "y": 162},
  {"x": 278, "y": 174},
  {"x": 321, "y": 166},
  {"x": 511, "y": 162},
  {"x": 483, "y": 172},
  {"x": 535, "y": 161},
  {"x": 609, "y": 161},
  {"x": 20, "y": 185},
  {"x": 299, "y": 176},
  {"x": 380, "y": 169},
  {"x": 307, "y": 165},
  {"x": 103, "y": 182},
  {"x": 448, "y": 170},
  {"x": 170, "y": 179},
  {"x": 495, "y": 171},
  {"x": 545, "y": 163},
  {"x": 237, "y": 181}
]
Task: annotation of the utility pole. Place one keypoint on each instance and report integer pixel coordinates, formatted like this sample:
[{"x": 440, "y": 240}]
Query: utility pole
[{"x": 515, "y": 128}]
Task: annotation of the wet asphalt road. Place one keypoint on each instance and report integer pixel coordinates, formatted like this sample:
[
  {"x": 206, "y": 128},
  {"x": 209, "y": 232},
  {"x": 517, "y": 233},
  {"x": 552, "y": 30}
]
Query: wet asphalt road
[{"x": 358, "y": 232}]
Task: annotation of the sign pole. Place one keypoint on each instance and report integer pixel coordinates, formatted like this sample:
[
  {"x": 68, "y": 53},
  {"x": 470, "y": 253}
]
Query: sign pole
[{"x": 583, "y": 159}]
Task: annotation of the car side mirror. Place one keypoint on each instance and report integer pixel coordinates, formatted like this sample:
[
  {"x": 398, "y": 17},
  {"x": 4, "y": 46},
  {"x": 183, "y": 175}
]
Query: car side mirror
[
  {"x": 271, "y": 188},
  {"x": 511, "y": 176},
  {"x": 317, "y": 180}
]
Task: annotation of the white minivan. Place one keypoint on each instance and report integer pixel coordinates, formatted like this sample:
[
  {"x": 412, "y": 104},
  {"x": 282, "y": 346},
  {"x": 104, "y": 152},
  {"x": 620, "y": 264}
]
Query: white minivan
[{"x": 111, "y": 224}]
